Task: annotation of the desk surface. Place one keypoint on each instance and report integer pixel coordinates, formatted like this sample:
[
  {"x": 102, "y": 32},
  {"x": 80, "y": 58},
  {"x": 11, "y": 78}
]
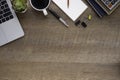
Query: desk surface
[{"x": 48, "y": 45}]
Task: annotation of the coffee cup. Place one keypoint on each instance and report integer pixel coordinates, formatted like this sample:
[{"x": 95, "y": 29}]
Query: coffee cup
[{"x": 40, "y": 5}]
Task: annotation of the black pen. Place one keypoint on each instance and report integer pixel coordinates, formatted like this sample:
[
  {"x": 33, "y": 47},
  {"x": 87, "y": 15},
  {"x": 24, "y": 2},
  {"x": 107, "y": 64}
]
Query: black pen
[{"x": 58, "y": 17}]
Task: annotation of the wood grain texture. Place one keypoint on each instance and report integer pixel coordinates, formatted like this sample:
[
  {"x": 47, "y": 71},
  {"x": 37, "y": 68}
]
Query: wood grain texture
[{"x": 50, "y": 51}]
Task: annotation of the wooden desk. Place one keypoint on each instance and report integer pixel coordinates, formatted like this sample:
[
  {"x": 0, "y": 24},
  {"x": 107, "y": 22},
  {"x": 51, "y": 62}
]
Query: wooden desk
[{"x": 50, "y": 51}]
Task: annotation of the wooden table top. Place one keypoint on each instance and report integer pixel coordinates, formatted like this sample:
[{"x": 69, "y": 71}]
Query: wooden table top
[
  {"x": 48, "y": 37},
  {"x": 50, "y": 51}
]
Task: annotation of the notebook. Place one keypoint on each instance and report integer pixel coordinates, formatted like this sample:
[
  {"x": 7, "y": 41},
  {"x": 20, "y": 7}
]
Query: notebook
[
  {"x": 113, "y": 4},
  {"x": 75, "y": 9},
  {"x": 97, "y": 8}
]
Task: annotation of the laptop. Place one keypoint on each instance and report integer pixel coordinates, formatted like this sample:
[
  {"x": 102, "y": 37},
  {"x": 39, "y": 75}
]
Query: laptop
[{"x": 10, "y": 28}]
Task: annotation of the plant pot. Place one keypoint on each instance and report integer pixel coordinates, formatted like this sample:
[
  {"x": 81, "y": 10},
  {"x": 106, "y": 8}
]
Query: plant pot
[{"x": 21, "y": 6}]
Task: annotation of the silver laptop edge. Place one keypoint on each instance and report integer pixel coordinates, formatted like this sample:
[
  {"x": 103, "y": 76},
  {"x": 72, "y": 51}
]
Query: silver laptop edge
[{"x": 10, "y": 30}]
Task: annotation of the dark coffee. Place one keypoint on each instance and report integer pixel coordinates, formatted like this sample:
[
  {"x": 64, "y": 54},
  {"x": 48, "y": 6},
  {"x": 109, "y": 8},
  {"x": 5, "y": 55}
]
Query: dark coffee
[{"x": 40, "y": 4}]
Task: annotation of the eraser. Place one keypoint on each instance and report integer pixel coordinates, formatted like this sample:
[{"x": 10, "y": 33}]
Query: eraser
[
  {"x": 84, "y": 24},
  {"x": 77, "y": 22}
]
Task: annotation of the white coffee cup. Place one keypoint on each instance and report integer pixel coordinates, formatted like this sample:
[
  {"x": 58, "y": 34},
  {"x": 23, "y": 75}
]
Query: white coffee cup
[{"x": 38, "y": 6}]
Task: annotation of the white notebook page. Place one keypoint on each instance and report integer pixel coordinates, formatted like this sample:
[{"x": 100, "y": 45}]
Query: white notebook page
[{"x": 76, "y": 7}]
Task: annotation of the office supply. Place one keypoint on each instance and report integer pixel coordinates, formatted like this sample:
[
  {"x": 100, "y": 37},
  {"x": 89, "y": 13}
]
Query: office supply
[
  {"x": 89, "y": 17},
  {"x": 58, "y": 17},
  {"x": 76, "y": 7},
  {"x": 108, "y": 5},
  {"x": 77, "y": 22},
  {"x": 68, "y": 2},
  {"x": 84, "y": 24},
  {"x": 10, "y": 28},
  {"x": 97, "y": 8}
]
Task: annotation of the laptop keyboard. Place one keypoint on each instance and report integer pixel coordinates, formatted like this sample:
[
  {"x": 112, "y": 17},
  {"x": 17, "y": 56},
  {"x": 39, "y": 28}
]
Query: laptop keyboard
[{"x": 5, "y": 13}]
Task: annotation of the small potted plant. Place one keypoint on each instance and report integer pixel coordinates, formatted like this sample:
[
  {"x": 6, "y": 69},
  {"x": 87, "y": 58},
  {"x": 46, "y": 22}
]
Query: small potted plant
[{"x": 20, "y": 5}]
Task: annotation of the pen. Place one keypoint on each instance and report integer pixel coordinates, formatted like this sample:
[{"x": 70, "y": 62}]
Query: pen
[
  {"x": 58, "y": 17},
  {"x": 68, "y": 3}
]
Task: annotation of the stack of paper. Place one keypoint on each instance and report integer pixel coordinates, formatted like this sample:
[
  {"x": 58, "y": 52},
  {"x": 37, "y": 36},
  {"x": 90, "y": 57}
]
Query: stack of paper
[{"x": 75, "y": 9}]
